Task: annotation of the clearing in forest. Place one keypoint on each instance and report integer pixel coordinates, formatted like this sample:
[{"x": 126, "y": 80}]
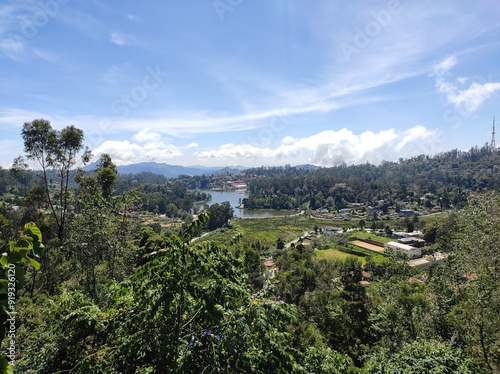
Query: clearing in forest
[{"x": 370, "y": 247}]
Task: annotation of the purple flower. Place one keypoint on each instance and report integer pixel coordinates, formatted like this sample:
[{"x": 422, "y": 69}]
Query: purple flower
[
  {"x": 217, "y": 336},
  {"x": 191, "y": 342},
  {"x": 229, "y": 366},
  {"x": 208, "y": 332}
]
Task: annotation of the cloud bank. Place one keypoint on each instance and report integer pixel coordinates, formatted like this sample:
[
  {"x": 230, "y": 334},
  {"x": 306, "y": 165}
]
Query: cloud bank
[
  {"x": 329, "y": 148},
  {"x": 144, "y": 146}
]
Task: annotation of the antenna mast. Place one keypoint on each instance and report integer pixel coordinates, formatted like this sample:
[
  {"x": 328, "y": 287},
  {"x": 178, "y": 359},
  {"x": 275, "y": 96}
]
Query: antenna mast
[{"x": 493, "y": 145}]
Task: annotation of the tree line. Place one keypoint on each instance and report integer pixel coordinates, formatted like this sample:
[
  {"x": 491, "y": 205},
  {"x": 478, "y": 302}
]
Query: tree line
[{"x": 443, "y": 180}]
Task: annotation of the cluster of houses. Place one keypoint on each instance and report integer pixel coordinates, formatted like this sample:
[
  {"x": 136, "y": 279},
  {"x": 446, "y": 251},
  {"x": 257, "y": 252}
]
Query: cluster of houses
[
  {"x": 232, "y": 185},
  {"x": 325, "y": 214},
  {"x": 378, "y": 210},
  {"x": 407, "y": 243},
  {"x": 236, "y": 185}
]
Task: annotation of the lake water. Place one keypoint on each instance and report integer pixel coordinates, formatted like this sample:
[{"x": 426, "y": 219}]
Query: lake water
[{"x": 235, "y": 199}]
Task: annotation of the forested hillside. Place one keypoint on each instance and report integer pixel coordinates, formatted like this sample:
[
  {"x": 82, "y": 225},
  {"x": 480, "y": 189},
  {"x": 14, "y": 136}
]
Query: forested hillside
[
  {"x": 445, "y": 177},
  {"x": 97, "y": 288}
]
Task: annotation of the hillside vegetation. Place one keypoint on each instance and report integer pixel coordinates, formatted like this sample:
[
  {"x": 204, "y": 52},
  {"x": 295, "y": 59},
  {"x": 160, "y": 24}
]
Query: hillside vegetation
[{"x": 102, "y": 285}]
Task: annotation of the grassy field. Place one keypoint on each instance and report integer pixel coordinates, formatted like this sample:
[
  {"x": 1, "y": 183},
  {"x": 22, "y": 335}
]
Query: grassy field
[
  {"x": 335, "y": 253},
  {"x": 434, "y": 219},
  {"x": 268, "y": 230},
  {"x": 367, "y": 235},
  {"x": 332, "y": 253}
]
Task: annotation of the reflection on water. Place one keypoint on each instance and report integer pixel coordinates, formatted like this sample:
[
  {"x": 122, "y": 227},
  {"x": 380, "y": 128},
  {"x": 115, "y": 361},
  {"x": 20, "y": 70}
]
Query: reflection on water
[{"x": 235, "y": 199}]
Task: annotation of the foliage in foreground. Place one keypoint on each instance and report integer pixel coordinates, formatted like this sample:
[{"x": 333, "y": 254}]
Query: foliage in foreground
[
  {"x": 13, "y": 261},
  {"x": 187, "y": 309},
  {"x": 190, "y": 308}
]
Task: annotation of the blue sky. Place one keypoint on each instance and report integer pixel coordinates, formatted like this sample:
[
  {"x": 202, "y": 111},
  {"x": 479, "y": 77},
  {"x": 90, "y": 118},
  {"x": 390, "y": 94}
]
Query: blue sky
[{"x": 240, "y": 82}]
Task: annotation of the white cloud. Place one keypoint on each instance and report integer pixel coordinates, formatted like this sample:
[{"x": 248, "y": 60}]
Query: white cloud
[
  {"x": 470, "y": 99},
  {"x": 236, "y": 152},
  {"x": 144, "y": 146},
  {"x": 329, "y": 148},
  {"x": 467, "y": 100},
  {"x": 335, "y": 147},
  {"x": 445, "y": 65},
  {"x": 117, "y": 38},
  {"x": 288, "y": 140},
  {"x": 146, "y": 135},
  {"x": 192, "y": 145},
  {"x": 417, "y": 133}
]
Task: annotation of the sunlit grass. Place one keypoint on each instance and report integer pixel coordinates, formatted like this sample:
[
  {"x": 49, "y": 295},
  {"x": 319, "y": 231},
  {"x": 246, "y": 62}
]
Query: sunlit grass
[
  {"x": 368, "y": 235},
  {"x": 330, "y": 254}
]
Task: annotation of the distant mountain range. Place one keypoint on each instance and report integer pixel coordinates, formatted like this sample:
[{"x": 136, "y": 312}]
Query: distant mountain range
[{"x": 171, "y": 171}]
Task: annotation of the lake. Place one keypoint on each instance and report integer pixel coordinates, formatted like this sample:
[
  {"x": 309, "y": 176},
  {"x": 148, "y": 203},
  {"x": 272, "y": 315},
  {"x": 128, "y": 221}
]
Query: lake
[{"x": 235, "y": 199}]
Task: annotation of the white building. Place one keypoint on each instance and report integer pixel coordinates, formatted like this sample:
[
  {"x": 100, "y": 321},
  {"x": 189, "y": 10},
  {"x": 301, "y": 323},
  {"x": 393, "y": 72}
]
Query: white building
[
  {"x": 329, "y": 230},
  {"x": 408, "y": 250},
  {"x": 414, "y": 242}
]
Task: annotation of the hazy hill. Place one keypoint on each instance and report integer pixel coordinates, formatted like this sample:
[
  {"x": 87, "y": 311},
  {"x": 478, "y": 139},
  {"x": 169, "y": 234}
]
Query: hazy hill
[{"x": 171, "y": 171}]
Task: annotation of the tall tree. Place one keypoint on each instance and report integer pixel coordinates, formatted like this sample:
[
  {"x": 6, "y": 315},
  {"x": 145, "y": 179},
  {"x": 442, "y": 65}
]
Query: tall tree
[
  {"x": 106, "y": 174},
  {"x": 54, "y": 150}
]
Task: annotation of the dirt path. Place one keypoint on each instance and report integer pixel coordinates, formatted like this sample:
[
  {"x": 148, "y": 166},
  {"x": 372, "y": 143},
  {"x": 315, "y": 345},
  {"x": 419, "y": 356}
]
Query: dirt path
[
  {"x": 371, "y": 247},
  {"x": 289, "y": 244}
]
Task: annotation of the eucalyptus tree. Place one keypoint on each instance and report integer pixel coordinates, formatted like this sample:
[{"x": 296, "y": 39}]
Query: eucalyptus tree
[{"x": 57, "y": 151}]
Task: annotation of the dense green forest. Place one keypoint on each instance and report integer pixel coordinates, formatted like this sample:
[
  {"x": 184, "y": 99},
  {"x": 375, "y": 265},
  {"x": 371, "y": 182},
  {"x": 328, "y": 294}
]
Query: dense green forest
[
  {"x": 444, "y": 180},
  {"x": 95, "y": 290}
]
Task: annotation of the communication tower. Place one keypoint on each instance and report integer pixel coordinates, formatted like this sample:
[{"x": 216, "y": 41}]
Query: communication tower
[{"x": 493, "y": 145}]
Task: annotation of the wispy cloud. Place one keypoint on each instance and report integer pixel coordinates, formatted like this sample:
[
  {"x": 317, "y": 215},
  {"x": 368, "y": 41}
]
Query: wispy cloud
[
  {"x": 442, "y": 67},
  {"x": 133, "y": 17},
  {"x": 15, "y": 117},
  {"x": 467, "y": 100},
  {"x": 117, "y": 38},
  {"x": 121, "y": 39},
  {"x": 21, "y": 23},
  {"x": 12, "y": 46},
  {"x": 46, "y": 55}
]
